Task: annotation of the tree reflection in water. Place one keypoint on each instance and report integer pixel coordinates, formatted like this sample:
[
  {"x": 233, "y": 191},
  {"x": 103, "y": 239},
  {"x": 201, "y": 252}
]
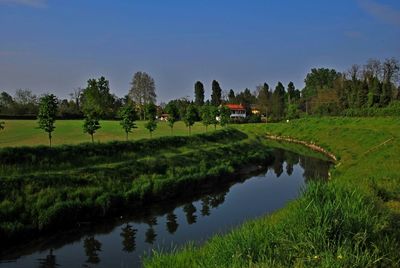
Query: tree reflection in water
[
  {"x": 190, "y": 209},
  {"x": 172, "y": 224},
  {"x": 128, "y": 238},
  {"x": 49, "y": 261},
  {"x": 205, "y": 206},
  {"x": 92, "y": 247},
  {"x": 150, "y": 233}
]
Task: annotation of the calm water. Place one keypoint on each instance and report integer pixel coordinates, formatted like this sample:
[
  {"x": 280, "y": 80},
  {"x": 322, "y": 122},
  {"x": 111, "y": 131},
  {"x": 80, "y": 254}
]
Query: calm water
[{"x": 121, "y": 242}]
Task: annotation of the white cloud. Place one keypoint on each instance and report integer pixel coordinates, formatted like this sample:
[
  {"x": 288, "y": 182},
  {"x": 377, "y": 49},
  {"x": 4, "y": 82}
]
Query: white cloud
[
  {"x": 31, "y": 3},
  {"x": 381, "y": 11}
]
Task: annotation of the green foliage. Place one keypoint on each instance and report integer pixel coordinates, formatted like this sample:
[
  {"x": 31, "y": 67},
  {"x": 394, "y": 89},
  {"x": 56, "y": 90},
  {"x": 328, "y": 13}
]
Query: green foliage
[
  {"x": 151, "y": 111},
  {"x": 47, "y": 114},
  {"x": 190, "y": 117},
  {"x": 173, "y": 114},
  {"x": 151, "y": 125},
  {"x": 207, "y": 116},
  {"x": 128, "y": 117},
  {"x": 91, "y": 125},
  {"x": 143, "y": 91},
  {"x": 199, "y": 93},
  {"x": 97, "y": 100},
  {"x": 216, "y": 93},
  {"x": 292, "y": 111},
  {"x": 225, "y": 116},
  {"x": 278, "y": 101}
]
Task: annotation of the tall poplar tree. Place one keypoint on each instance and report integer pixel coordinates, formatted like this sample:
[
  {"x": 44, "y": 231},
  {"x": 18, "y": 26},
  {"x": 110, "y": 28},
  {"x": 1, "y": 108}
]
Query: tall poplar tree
[
  {"x": 199, "y": 93},
  {"x": 216, "y": 93}
]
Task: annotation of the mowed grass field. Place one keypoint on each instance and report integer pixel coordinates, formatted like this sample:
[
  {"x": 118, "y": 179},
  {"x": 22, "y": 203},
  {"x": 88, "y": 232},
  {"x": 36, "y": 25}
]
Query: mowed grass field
[{"x": 27, "y": 132}]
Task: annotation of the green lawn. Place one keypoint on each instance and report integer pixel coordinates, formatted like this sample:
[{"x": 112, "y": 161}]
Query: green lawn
[{"x": 26, "y": 132}]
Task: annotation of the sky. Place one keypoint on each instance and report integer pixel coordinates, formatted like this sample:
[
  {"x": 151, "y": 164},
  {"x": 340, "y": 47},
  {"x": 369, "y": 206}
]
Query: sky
[{"x": 55, "y": 46}]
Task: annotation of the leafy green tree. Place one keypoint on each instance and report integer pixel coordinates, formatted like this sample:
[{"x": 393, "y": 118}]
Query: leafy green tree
[
  {"x": 214, "y": 115},
  {"x": 207, "y": 116},
  {"x": 387, "y": 94},
  {"x": 190, "y": 117},
  {"x": 291, "y": 91},
  {"x": 151, "y": 125},
  {"x": 47, "y": 114},
  {"x": 97, "y": 99},
  {"x": 151, "y": 111},
  {"x": 225, "y": 116},
  {"x": 216, "y": 93},
  {"x": 279, "y": 101},
  {"x": 128, "y": 117},
  {"x": 246, "y": 98},
  {"x": 143, "y": 91},
  {"x": 199, "y": 93},
  {"x": 363, "y": 95},
  {"x": 264, "y": 99},
  {"x": 173, "y": 114},
  {"x": 91, "y": 125},
  {"x": 316, "y": 80},
  {"x": 292, "y": 111}
]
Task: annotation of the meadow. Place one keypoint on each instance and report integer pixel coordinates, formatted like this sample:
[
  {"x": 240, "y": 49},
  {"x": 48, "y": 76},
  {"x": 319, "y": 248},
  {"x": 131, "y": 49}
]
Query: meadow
[
  {"x": 352, "y": 221},
  {"x": 27, "y": 133}
]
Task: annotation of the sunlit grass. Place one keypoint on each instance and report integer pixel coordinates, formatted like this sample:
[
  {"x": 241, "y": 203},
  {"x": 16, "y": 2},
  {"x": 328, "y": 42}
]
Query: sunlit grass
[
  {"x": 353, "y": 221},
  {"x": 26, "y": 132}
]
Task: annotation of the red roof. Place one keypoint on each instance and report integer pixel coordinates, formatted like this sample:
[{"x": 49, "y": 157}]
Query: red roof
[{"x": 235, "y": 106}]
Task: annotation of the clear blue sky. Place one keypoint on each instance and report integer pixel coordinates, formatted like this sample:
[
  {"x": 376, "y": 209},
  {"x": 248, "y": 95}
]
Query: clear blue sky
[{"x": 56, "y": 46}]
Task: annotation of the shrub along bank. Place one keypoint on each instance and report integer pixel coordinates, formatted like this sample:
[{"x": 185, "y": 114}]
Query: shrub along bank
[
  {"x": 353, "y": 221},
  {"x": 51, "y": 188}
]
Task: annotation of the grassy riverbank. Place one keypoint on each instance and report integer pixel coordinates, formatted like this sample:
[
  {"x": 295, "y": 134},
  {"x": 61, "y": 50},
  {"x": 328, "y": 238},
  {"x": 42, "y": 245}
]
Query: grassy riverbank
[
  {"x": 46, "y": 188},
  {"x": 353, "y": 221}
]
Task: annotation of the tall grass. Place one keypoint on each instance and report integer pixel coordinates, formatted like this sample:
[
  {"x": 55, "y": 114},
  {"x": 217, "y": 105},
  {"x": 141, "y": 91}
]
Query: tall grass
[{"x": 352, "y": 221}]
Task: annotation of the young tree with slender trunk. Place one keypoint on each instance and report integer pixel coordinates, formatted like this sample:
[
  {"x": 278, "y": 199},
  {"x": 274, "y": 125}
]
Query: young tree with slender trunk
[
  {"x": 128, "y": 118},
  {"x": 173, "y": 115},
  {"x": 151, "y": 125},
  {"x": 2, "y": 125},
  {"x": 206, "y": 116},
  {"x": 190, "y": 117},
  {"x": 91, "y": 125},
  {"x": 225, "y": 116},
  {"x": 47, "y": 114}
]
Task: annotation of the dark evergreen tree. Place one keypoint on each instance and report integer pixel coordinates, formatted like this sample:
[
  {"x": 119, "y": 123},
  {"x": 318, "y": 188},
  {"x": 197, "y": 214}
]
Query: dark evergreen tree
[
  {"x": 278, "y": 98},
  {"x": 199, "y": 93},
  {"x": 216, "y": 93},
  {"x": 231, "y": 96}
]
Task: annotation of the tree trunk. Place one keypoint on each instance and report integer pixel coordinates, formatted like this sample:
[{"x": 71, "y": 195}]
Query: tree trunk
[
  {"x": 172, "y": 133},
  {"x": 92, "y": 138},
  {"x": 50, "y": 139},
  {"x": 126, "y": 136},
  {"x": 190, "y": 130}
]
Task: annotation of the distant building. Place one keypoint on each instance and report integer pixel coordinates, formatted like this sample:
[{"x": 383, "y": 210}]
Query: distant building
[
  {"x": 237, "y": 110},
  {"x": 254, "y": 109},
  {"x": 164, "y": 117}
]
